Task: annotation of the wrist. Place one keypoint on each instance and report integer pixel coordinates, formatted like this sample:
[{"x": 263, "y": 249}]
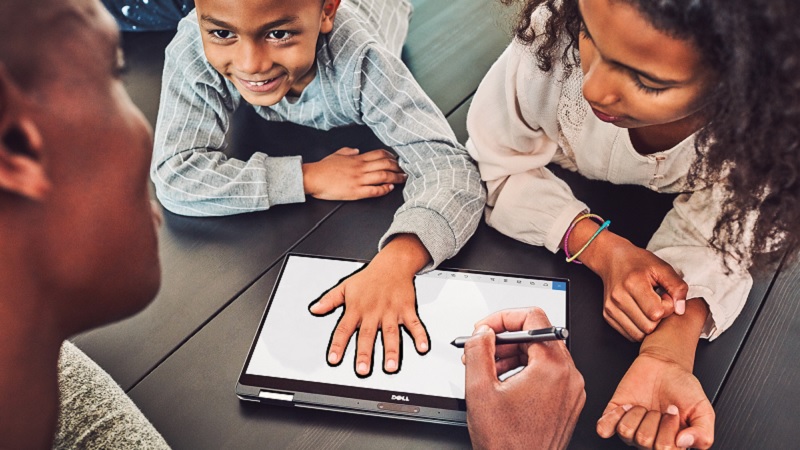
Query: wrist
[
  {"x": 404, "y": 254},
  {"x": 596, "y": 255},
  {"x": 675, "y": 339},
  {"x": 308, "y": 178}
]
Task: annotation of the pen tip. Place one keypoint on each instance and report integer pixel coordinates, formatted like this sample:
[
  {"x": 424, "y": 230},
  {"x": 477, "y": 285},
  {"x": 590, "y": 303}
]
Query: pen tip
[{"x": 453, "y": 343}]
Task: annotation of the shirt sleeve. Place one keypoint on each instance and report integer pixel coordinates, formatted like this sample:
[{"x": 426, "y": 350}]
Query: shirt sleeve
[
  {"x": 443, "y": 193},
  {"x": 512, "y": 143},
  {"x": 683, "y": 239},
  {"x": 191, "y": 174}
]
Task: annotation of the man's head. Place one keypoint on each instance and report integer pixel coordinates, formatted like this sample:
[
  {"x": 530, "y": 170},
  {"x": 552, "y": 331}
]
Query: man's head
[
  {"x": 75, "y": 216},
  {"x": 266, "y": 48}
]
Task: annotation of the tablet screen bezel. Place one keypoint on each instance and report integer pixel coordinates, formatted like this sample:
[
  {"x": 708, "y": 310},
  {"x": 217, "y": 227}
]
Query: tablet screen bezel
[{"x": 293, "y": 386}]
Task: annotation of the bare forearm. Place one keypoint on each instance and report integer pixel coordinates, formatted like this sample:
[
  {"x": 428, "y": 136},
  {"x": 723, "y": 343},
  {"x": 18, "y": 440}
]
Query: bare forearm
[{"x": 676, "y": 336}]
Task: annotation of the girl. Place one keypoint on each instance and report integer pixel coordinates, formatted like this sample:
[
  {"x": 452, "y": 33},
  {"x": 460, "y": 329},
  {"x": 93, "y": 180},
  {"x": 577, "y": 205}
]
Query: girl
[{"x": 697, "y": 97}]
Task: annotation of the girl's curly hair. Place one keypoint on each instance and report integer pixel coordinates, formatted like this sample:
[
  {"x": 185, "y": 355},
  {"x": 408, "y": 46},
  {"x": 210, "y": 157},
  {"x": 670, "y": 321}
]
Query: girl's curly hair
[{"x": 753, "y": 132}]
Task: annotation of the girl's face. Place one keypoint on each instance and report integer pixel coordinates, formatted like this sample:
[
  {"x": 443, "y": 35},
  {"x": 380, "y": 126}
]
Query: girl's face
[{"x": 636, "y": 76}]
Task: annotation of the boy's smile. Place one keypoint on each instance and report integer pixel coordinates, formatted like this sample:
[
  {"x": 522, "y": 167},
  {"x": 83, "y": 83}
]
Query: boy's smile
[{"x": 266, "y": 48}]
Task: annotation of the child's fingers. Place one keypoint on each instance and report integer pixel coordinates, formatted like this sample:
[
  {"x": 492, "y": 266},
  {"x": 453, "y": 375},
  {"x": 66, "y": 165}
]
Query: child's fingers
[
  {"x": 417, "y": 332},
  {"x": 373, "y": 155},
  {"x": 607, "y": 425},
  {"x": 614, "y": 319},
  {"x": 649, "y": 302},
  {"x": 390, "y": 333},
  {"x": 700, "y": 433},
  {"x": 632, "y": 317},
  {"x": 347, "y": 151},
  {"x": 674, "y": 285},
  {"x": 645, "y": 436},
  {"x": 383, "y": 177},
  {"x": 629, "y": 423},
  {"x": 668, "y": 429},
  {"x": 377, "y": 165},
  {"x": 340, "y": 337},
  {"x": 365, "y": 346},
  {"x": 373, "y": 191},
  {"x": 328, "y": 302}
]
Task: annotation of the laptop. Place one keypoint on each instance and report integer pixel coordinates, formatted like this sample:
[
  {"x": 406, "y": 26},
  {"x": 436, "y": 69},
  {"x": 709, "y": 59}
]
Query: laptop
[{"x": 287, "y": 362}]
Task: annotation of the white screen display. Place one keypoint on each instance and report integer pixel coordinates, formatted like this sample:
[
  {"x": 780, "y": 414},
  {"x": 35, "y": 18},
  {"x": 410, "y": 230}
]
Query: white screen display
[{"x": 293, "y": 343}]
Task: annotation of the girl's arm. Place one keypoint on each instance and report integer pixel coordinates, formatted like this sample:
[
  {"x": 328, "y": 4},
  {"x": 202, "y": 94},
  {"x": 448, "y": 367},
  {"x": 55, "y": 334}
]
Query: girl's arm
[
  {"x": 513, "y": 130},
  {"x": 191, "y": 174},
  {"x": 659, "y": 402},
  {"x": 682, "y": 240}
]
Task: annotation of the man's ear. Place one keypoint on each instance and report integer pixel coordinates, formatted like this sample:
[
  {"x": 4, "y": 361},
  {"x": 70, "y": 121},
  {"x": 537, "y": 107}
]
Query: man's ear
[
  {"x": 329, "y": 9},
  {"x": 21, "y": 160}
]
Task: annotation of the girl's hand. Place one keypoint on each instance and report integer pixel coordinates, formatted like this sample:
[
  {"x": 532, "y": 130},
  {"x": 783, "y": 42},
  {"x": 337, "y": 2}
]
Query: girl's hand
[
  {"x": 659, "y": 404},
  {"x": 631, "y": 276},
  {"x": 348, "y": 175},
  {"x": 380, "y": 297}
]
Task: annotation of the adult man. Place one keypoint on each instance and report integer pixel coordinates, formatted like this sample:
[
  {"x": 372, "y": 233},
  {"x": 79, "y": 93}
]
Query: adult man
[{"x": 78, "y": 241}]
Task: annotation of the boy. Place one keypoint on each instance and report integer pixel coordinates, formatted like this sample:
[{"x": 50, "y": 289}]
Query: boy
[
  {"x": 78, "y": 237},
  {"x": 320, "y": 64}
]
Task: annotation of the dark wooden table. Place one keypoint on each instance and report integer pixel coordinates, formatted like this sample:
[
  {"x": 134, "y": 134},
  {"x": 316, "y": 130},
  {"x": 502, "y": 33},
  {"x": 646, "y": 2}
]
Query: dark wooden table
[{"x": 180, "y": 358}]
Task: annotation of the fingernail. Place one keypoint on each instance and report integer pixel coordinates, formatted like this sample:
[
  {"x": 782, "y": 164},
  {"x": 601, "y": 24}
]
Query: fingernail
[
  {"x": 680, "y": 307},
  {"x": 481, "y": 329},
  {"x": 391, "y": 365},
  {"x": 685, "y": 441},
  {"x": 391, "y": 187},
  {"x": 332, "y": 358},
  {"x": 627, "y": 407},
  {"x": 673, "y": 410},
  {"x": 423, "y": 347},
  {"x": 362, "y": 368}
]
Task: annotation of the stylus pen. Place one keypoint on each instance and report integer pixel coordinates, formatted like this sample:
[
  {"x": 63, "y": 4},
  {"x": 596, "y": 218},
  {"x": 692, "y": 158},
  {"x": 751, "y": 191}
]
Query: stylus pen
[{"x": 519, "y": 337}]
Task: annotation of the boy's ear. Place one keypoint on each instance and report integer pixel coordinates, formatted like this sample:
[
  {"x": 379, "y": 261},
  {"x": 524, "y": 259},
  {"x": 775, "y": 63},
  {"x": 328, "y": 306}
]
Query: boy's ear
[
  {"x": 21, "y": 166},
  {"x": 329, "y": 9}
]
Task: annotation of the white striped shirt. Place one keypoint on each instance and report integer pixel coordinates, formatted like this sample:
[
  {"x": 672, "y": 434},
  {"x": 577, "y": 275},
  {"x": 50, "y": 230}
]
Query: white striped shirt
[{"x": 361, "y": 80}]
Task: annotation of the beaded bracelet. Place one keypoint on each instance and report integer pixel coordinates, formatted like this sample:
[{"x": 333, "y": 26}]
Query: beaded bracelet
[{"x": 603, "y": 226}]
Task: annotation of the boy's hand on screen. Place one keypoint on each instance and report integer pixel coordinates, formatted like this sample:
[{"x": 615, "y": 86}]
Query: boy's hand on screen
[
  {"x": 535, "y": 408},
  {"x": 659, "y": 404},
  {"x": 349, "y": 175},
  {"x": 381, "y": 297},
  {"x": 631, "y": 277}
]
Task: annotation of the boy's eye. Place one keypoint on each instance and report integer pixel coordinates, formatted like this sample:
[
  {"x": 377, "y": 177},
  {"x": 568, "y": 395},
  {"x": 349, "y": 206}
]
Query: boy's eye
[
  {"x": 222, "y": 34},
  {"x": 279, "y": 35}
]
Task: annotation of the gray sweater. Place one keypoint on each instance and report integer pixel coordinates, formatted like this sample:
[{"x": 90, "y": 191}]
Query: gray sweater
[
  {"x": 360, "y": 80},
  {"x": 94, "y": 412}
]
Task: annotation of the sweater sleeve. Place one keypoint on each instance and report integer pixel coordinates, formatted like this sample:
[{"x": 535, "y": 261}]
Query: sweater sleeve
[
  {"x": 94, "y": 412},
  {"x": 683, "y": 239},
  {"x": 443, "y": 194},
  {"x": 512, "y": 127},
  {"x": 191, "y": 174}
]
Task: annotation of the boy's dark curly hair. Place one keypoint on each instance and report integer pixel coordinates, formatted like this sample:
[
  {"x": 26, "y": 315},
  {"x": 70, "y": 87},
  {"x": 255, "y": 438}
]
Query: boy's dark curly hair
[{"x": 753, "y": 132}]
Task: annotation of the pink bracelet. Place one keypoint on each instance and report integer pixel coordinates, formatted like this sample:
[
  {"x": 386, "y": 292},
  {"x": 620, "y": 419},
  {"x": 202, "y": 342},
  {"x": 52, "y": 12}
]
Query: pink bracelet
[{"x": 594, "y": 217}]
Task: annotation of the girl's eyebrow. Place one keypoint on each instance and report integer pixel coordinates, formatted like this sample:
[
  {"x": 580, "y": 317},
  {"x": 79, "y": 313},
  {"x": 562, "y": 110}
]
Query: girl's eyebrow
[{"x": 641, "y": 73}]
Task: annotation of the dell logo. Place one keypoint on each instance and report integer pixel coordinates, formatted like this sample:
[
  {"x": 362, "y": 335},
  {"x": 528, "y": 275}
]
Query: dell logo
[{"x": 400, "y": 397}]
